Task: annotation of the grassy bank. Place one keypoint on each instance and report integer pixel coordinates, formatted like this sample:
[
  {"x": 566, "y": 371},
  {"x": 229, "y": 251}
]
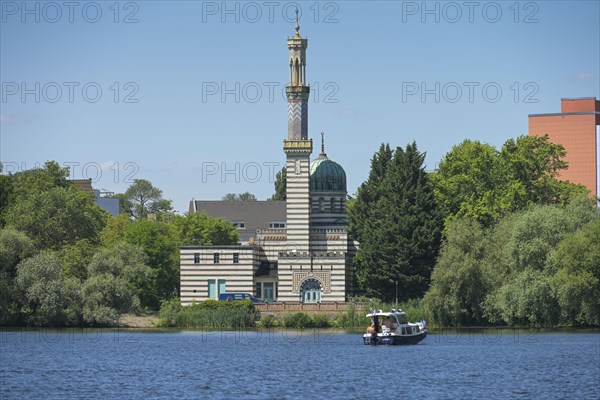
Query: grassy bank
[
  {"x": 352, "y": 318},
  {"x": 209, "y": 314}
]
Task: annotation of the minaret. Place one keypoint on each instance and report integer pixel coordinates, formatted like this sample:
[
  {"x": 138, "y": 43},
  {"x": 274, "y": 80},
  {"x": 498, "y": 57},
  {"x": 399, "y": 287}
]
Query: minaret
[{"x": 297, "y": 147}]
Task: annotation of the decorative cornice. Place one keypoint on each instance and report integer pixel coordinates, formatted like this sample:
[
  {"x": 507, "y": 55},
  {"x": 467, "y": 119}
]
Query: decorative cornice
[{"x": 297, "y": 146}]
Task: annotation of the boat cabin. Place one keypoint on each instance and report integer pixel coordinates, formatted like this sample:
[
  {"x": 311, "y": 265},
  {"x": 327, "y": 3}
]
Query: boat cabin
[
  {"x": 393, "y": 328},
  {"x": 395, "y": 321}
]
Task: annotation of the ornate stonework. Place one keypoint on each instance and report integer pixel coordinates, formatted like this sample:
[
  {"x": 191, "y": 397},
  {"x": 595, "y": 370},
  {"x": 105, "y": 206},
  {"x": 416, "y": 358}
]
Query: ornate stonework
[{"x": 324, "y": 279}]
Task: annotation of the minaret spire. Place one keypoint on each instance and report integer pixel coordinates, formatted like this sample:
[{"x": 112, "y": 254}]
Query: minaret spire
[
  {"x": 297, "y": 90},
  {"x": 298, "y": 148}
]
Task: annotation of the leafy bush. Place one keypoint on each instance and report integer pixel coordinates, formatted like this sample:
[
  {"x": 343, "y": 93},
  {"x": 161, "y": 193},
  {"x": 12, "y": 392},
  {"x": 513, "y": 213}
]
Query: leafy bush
[
  {"x": 208, "y": 314},
  {"x": 169, "y": 312},
  {"x": 269, "y": 321},
  {"x": 320, "y": 321},
  {"x": 297, "y": 320}
]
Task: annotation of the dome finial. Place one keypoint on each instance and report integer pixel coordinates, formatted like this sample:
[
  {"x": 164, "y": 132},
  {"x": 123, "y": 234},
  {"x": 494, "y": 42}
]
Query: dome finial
[
  {"x": 297, "y": 24},
  {"x": 322, "y": 142}
]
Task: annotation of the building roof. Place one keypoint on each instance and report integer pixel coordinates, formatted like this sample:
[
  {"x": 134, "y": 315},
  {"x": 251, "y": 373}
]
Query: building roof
[
  {"x": 566, "y": 113},
  {"x": 82, "y": 184},
  {"x": 254, "y": 214},
  {"x": 326, "y": 175}
]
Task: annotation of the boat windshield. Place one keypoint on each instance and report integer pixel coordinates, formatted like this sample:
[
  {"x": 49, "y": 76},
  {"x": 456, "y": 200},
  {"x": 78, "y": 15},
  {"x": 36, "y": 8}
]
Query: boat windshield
[{"x": 402, "y": 318}]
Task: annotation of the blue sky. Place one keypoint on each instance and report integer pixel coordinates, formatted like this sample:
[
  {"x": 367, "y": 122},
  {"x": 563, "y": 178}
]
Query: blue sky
[{"x": 192, "y": 92}]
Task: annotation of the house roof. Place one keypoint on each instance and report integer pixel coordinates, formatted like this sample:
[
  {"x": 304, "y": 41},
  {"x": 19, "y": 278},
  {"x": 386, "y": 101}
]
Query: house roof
[{"x": 254, "y": 214}]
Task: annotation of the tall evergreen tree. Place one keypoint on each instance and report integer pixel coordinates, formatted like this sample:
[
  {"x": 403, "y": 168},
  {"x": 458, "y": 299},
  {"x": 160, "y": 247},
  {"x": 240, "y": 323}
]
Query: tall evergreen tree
[
  {"x": 280, "y": 183},
  {"x": 246, "y": 196},
  {"x": 369, "y": 192},
  {"x": 400, "y": 226}
]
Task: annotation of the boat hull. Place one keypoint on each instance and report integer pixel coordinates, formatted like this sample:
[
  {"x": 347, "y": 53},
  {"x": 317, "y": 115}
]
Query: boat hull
[{"x": 393, "y": 339}]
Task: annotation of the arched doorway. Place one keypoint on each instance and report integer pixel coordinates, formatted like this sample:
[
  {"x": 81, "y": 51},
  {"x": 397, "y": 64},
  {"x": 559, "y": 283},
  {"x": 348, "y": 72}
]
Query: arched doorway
[{"x": 310, "y": 291}]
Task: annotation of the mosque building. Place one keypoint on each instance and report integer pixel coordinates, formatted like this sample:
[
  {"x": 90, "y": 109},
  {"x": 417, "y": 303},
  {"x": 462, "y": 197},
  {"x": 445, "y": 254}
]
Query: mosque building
[{"x": 297, "y": 250}]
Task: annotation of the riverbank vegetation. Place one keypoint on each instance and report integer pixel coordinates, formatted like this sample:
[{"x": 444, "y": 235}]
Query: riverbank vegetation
[
  {"x": 208, "y": 314},
  {"x": 66, "y": 262},
  {"x": 519, "y": 247},
  {"x": 491, "y": 237},
  {"x": 538, "y": 267}
]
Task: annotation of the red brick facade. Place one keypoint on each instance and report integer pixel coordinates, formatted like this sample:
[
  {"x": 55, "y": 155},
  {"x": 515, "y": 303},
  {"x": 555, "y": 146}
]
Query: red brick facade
[{"x": 575, "y": 128}]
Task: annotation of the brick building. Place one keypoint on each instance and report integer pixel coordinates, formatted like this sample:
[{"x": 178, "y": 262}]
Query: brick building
[{"x": 577, "y": 128}]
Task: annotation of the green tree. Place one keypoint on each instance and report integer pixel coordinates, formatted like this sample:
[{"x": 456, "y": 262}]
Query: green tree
[
  {"x": 143, "y": 196},
  {"x": 531, "y": 292},
  {"x": 117, "y": 277},
  {"x": 19, "y": 186},
  {"x": 535, "y": 267},
  {"x": 280, "y": 185},
  {"x": 533, "y": 162},
  {"x": 115, "y": 229},
  {"x": 5, "y": 194},
  {"x": 15, "y": 247},
  {"x": 57, "y": 216},
  {"x": 246, "y": 196},
  {"x": 577, "y": 278},
  {"x": 160, "y": 244},
  {"x": 162, "y": 209},
  {"x": 526, "y": 300},
  {"x": 200, "y": 230},
  {"x": 75, "y": 257},
  {"x": 468, "y": 182},
  {"x": 458, "y": 283},
  {"x": 478, "y": 181},
  {"x": 369, "y": 193},
  {"x": 540, "y": 229},
  {"x": 125, "y": 205},
  {"x": 52, "y": 175},
  {"x": 43, "y": 291},
  {"x": 401, "y": 239}
]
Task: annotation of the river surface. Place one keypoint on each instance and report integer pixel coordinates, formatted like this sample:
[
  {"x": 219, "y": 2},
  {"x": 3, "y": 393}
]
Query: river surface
[{"x": 309, "y": 364}]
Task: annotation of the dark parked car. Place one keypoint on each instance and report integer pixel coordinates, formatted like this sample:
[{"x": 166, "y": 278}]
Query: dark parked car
[{"x": 238, "y": 296}]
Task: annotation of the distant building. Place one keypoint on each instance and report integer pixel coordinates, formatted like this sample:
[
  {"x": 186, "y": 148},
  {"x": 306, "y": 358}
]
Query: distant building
[
  {"x": 102, "y": 200},
  {"x": 83, "y": 184},
  {"x": 577, "y": 128},
  {"x": 247, "y": 216},
  {"x": 296, "y": 250}
]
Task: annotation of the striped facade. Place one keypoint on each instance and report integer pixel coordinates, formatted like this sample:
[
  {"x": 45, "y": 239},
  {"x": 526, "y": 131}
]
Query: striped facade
[
  {"x": 309, "y": 260},
  {"x": 201, "y": 265},
  {"x": 297, "y": 194}
]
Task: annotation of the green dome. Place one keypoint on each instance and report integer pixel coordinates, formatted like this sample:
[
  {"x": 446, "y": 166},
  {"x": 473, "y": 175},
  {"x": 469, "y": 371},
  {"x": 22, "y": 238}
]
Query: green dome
[{"x": 326, "y": 175}]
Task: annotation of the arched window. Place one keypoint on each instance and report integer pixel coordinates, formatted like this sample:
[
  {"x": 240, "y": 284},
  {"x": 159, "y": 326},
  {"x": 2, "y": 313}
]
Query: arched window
[
  {"x": 333, "y": 204},
  {"x": 321, "y": 204}
]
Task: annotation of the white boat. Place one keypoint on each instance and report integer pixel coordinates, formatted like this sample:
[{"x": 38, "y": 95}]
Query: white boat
[{"x": 393, "y": 328}]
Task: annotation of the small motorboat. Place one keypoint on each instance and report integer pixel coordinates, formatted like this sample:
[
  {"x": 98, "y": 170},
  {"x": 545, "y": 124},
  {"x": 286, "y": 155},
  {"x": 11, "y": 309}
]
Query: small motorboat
[{"x": 393, "y": 328}]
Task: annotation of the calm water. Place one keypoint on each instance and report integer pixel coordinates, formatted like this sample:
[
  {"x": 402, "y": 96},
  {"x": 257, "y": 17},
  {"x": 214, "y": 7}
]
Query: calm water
[{"x": 291, "y": 365}]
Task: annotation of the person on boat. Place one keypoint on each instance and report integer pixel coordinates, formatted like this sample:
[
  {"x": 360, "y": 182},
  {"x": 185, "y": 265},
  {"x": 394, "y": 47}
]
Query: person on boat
[
  {"x": 388, "y": 322},
  {"x": 371, "y": 329}
]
